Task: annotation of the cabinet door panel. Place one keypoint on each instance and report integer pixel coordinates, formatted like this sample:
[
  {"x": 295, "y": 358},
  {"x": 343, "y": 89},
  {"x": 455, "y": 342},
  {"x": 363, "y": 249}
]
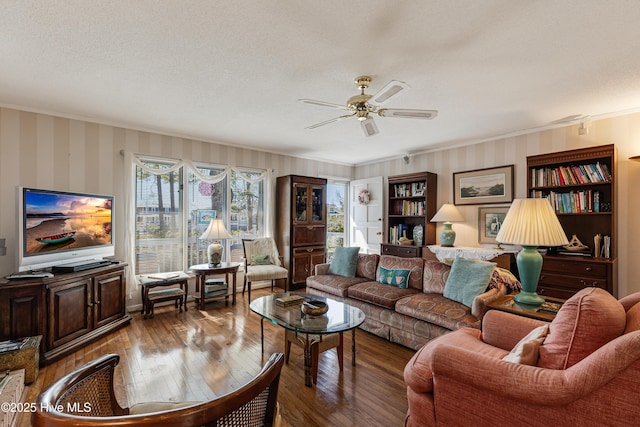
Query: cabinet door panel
[
  {"x": 309, "y": 235},
  {"x": 69, "y": 312},
  {"x": 20, "y": 313},
  {"x": 108, "y": 298}
]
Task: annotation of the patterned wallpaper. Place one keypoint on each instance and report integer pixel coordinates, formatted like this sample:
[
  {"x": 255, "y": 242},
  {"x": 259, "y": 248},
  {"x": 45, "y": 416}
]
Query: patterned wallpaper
[
  {"x": 623, "y": 131},
  {"x": 45, "y": 151}
]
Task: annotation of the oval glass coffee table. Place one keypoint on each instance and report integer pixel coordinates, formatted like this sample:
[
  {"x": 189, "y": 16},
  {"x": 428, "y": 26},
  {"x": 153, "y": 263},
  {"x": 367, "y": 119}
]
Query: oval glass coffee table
[{"x": 309, "y": 330}]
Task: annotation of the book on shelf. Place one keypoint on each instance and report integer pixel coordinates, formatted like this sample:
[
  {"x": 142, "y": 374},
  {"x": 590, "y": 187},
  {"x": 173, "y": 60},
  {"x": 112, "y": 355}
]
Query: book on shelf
[
  {"x": 571, "y": 175},
  {"x": 164, "y": 276},
  {"x": 583, "y": 201},
  {"x": 286, "y": 301},
  {"x": 11, "y": 345},
  {"x": 219, "y": 292}
]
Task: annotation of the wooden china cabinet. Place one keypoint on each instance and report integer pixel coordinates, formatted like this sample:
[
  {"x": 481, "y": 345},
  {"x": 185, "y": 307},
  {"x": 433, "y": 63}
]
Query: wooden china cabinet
[{"x": 301, "y": 225}]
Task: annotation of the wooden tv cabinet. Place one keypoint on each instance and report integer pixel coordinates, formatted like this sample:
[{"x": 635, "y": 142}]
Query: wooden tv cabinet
[{"x": 69, "y": 310}]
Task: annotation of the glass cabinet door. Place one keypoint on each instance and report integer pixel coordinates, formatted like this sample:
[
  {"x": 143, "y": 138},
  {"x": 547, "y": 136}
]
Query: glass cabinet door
[
  {"x": 300, "y": 206},
  {"x": 317, "y": 204}
]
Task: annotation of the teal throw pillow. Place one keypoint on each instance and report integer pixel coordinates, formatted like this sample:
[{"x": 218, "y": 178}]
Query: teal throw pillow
[
  {"x": 260, "y": 260},
  {"x": 399, "y": 278},
  {"x": 467, "y": 279},
  {"x": 344, "y": 262}
]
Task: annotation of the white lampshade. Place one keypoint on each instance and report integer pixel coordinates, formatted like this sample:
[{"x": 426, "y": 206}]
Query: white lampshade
[
  {"x": 531, "y": 222},
  {"x": 215, "y": 231},
  {"x": 447, "y": 213}
]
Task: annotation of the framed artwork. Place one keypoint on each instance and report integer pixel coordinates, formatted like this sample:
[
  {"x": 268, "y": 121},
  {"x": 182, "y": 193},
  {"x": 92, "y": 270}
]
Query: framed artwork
[
  {"x": 489, "y": 222},
  {"x": 483, "y": 186},
  {"x": 205, "y": 216}
]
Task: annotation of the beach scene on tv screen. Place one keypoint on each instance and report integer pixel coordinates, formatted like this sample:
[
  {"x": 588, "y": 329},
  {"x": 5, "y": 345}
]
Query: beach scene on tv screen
[{"x": 65, "y": 221}]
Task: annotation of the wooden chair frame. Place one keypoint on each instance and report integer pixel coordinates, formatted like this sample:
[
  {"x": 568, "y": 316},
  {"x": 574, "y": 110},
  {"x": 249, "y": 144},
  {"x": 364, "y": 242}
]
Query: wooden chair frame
[{"x": 91, "y": 387}]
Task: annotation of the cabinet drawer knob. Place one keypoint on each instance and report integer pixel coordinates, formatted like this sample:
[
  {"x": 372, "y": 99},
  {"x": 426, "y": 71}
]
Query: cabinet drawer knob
[
  {"x": 309, "y": 227},
  {"x": 588, "y": 268},
  {"x": 583, "y": 283},
  {"x": 309, "y": 250}
]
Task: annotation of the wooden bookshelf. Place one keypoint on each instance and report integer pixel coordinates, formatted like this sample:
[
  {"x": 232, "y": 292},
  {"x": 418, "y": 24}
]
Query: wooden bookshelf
[
  {"x": 411, "y": 202},
  {"x": 581, "y": 186}
]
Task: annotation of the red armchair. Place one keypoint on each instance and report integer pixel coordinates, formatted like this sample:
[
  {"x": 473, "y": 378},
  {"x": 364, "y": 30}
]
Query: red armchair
[{"x": 587, "y": 373}]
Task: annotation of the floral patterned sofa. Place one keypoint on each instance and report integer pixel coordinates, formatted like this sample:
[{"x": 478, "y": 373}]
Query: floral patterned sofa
[{"x": 409, "y": 316}]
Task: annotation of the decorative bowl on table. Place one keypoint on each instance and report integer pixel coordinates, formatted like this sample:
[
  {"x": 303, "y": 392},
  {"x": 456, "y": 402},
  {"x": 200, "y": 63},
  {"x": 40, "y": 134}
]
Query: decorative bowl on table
[
  {"x": 406, "y": 242},
  {"x": 314, "y": 308}
]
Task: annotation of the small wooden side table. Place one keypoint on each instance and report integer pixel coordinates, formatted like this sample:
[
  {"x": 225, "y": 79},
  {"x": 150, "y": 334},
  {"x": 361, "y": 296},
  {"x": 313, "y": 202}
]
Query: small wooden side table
[
  {"x": 203, "y": 270},
  {"x": 150, "y": 281},
  {"x": 546, "y": 312}
]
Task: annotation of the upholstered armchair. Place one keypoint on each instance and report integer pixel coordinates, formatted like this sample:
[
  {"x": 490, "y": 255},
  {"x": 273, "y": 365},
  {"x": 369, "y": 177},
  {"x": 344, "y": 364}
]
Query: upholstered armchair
[
  {"x": 86, "y": 397},
  {"x": 262, "y": 262},
  {"x": 582, "y": 369}
]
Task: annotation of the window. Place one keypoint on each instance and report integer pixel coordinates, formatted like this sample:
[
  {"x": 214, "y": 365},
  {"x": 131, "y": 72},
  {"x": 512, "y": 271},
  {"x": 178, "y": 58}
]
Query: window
[
  {"x": 159, "y": 238},
  {"x": 167, "y": 240},
  {"x": 335, "y": 217}
]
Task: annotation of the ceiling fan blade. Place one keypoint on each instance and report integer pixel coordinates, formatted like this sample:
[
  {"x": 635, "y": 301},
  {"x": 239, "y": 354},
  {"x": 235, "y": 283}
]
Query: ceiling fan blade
[
  {"x": 408, "y": 114},
  {"x": 326, "y": 122},
  {"x": 323, "y": 103},
  {"x": 369, "y": 127},
  {"x": 390, "y": 90}
]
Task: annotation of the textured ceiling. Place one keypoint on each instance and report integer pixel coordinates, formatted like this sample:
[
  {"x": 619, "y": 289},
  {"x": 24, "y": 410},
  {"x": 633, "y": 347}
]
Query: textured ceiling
[{"x": 232, "y": 71}]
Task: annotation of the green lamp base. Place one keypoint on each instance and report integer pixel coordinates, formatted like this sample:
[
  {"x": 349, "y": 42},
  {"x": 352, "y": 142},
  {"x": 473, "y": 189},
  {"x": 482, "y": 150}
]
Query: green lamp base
[
  {"x": 529, "y": 263},
  {"x": 447, "y": 235}
]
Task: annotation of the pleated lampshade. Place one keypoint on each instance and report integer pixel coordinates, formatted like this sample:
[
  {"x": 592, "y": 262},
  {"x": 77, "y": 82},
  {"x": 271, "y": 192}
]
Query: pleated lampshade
[{"x": 531, "y": 222}]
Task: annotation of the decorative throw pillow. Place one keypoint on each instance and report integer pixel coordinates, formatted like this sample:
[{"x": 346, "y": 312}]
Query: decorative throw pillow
[
  {"x": 527, "y": 350},
  {"x": 260, "y": 260},
  {"x": 344, "y": 262},
  {"x": 467, "y": 279},
  {"x": 399, "y": 278},
  {"x": 501, "y": 275}
]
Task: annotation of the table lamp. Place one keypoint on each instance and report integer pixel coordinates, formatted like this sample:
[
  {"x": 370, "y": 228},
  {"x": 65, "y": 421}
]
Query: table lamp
[
  {"x": 531, "y": 223},
  {"x": 215, "y": 231},
  {"x": 448, "y": 213}
]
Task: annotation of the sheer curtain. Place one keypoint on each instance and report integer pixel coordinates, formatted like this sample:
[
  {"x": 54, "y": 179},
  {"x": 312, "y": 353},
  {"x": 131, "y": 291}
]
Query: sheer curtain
[{"x": 132, "y": 161}]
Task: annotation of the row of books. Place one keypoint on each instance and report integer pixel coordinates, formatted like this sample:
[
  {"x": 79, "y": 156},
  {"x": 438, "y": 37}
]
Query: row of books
[
  {"x": 570, "y": 175},
  {"x": 572, "y": 202},
  {"x": 409, "y": 189},
  {"x": 397, "y": 231},
  {"x": 408, "y": 208}
]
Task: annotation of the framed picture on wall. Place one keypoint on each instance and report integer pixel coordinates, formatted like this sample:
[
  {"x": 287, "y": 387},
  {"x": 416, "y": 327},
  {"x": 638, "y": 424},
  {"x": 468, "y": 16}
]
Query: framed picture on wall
[
  {"x": 205, "y": 216},
  {"x": 483, "y": 186},
  {"x": 489, "y": 222}
]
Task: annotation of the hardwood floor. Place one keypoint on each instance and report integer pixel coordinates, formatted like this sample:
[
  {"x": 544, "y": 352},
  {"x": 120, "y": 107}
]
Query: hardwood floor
[{"x": 198, "y": 355}]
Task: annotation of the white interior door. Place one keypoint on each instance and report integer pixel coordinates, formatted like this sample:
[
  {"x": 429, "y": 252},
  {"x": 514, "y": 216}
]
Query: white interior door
[{"x": 366, "y": 220}]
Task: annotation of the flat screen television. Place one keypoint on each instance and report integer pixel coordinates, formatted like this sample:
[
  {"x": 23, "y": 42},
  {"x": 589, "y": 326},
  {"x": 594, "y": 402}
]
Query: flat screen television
[{"x": 58, "y": 228}]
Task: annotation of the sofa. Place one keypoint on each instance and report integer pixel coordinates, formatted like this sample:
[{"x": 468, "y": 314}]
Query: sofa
[
  {"x": 412, "y": 315},
  {"x": 581, "y": 369}
]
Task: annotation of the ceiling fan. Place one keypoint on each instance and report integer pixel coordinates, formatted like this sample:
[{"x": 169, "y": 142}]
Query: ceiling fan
[{"x": 363, "y": 106}]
